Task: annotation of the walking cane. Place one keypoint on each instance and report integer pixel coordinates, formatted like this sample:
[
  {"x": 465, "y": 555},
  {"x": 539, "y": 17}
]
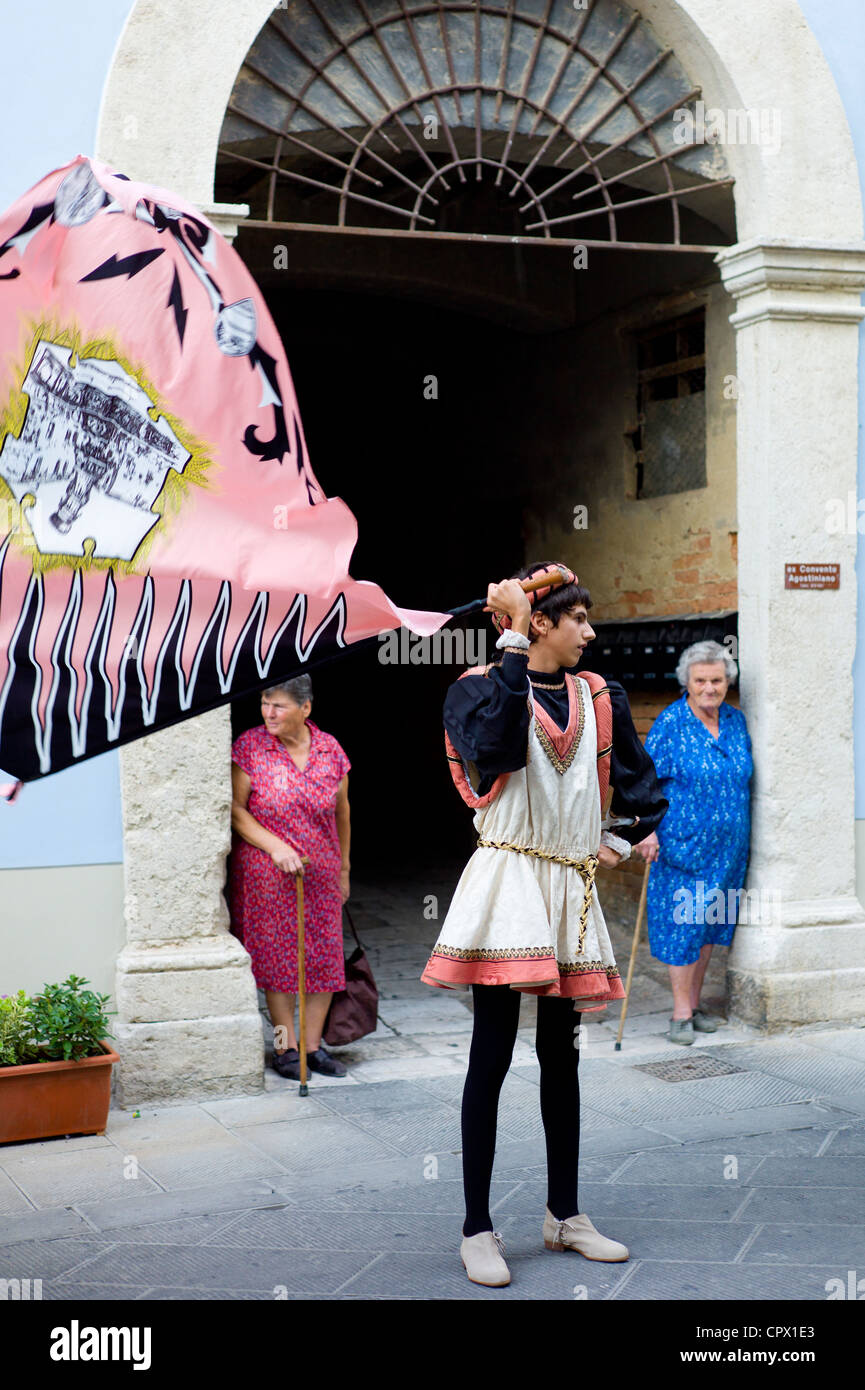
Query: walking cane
[
  {"x": 634, "y": 944},
  {"x": 301, "y": 982}
]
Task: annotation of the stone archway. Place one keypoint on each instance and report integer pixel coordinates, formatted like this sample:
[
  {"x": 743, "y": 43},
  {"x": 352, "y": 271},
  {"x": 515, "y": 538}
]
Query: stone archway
[
  {"x": 796, "y": 276},
  {"x": 382, "y": 117}
]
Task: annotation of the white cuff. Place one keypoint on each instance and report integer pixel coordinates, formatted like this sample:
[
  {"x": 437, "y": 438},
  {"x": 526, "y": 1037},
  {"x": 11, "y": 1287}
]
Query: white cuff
[
  {"x": 615, "y": 842},
  {"x": 516, "y": 640}
]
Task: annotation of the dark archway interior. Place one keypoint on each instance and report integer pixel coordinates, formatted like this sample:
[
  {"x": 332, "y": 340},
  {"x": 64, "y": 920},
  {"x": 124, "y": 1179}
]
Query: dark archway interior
[
  {"x": 438, "y": 480},
  {"x": 435, "y": 486}
]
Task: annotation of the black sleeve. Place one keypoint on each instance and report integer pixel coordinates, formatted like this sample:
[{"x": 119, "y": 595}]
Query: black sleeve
[
  {"x": 637, "y": 791},
  {"x": 487, "y": 719}
]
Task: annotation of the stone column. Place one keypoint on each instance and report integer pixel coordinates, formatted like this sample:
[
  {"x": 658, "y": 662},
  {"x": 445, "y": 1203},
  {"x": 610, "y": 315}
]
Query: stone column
[
  {"x": 226, "y": 217},
  {"x": 797, "y": 318},
  {"x": 188, "y": 1024}
]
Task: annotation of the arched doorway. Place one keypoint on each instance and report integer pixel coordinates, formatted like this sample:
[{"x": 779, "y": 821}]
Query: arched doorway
[
  {"x": 414, "y": 174},
  {"x": 795, "y": 274}
]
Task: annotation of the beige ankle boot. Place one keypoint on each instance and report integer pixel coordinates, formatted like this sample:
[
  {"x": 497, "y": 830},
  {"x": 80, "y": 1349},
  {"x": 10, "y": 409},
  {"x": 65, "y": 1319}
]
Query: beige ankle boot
[
  {"x": 482, "y": 1257},
  {"x": 578, "y": 1233}
]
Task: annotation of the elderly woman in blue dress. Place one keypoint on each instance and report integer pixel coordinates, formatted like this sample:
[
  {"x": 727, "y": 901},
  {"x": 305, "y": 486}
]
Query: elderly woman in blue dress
[{"x": 702, "y": 755}]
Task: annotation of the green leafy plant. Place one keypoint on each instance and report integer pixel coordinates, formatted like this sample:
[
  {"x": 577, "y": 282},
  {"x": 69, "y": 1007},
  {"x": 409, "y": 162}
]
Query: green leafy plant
[
  {"x": 69, "y": 1021},
  {"x": 17, "y": 1035}
]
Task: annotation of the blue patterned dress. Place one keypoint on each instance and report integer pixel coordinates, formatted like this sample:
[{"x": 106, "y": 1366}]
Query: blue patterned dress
[{"x": 704, "y": 836}]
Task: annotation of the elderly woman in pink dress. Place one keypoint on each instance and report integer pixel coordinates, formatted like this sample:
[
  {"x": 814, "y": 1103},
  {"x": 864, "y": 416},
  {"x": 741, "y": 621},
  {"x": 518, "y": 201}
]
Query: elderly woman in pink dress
[{"x": 290, "y": 800}]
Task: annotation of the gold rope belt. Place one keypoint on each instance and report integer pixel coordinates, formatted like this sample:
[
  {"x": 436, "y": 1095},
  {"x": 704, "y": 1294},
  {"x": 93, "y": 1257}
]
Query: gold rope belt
[{"x": 585, "y": 867}]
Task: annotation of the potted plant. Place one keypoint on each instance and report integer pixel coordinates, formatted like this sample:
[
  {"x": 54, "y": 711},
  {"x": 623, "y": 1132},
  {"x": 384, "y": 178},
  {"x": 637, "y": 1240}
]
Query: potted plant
[{"x": 55, "y": 1065}]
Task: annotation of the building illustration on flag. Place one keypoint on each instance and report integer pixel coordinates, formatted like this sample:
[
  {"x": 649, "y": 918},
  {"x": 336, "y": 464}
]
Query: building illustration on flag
[
  {"x": 164, "y": 542},
  {"x": 90, "y": 455}
]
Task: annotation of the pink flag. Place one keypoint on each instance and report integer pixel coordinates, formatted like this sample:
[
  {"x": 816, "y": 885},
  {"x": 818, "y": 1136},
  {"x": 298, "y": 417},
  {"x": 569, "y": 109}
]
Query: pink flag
[{"x": 164, "y": 542}]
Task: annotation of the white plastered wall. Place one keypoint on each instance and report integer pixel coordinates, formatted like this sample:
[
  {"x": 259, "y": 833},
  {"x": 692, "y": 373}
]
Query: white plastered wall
[{"x": 58, "y": 922}]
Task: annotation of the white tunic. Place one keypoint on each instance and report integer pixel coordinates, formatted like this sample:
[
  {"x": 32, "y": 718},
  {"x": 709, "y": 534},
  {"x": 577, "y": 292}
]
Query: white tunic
[{"x": 518, "y": 914}]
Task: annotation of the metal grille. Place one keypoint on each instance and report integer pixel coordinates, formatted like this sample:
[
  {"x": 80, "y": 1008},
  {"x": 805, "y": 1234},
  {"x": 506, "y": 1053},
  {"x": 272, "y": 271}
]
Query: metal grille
[
  {"x": 379, "y": 114},
  {"x": 674, "y": 445},
  {"x": 695, "y": 1067}
]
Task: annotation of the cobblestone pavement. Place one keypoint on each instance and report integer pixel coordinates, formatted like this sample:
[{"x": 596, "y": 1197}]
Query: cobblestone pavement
[{"x": 739, "y": 1176}]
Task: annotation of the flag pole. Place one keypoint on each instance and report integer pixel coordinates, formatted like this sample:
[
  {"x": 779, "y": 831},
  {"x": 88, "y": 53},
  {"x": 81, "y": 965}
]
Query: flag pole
[{"x": 528, "y": 586}]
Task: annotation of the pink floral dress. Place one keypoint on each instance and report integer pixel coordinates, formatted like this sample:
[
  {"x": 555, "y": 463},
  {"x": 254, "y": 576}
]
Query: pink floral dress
[{"x": 299, "y": 807}]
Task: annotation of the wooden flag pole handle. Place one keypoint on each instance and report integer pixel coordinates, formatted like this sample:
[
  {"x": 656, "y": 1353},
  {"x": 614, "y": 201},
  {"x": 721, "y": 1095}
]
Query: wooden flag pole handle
[
  {"x": 538, "y": 581},
  {"x": 541, "y": 581},
  {"x": 301, "y": 981}
]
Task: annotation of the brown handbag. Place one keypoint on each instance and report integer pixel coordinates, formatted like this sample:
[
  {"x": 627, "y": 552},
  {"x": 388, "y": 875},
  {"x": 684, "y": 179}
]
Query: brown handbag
[{"x": 353, "y": 1011}]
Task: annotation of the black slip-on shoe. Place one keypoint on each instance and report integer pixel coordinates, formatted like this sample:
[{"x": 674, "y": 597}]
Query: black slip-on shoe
[
  {"x": 322, "y": 1061},
  {"x": 287, "y": 1064}
]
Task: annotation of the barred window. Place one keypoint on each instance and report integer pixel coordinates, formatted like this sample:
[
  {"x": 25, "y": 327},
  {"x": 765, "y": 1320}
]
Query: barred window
[{"x": 670, "y": 438}]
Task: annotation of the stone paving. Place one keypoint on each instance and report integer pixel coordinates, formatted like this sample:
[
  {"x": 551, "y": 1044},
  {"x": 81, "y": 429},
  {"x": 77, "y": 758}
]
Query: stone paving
[{"x": 747, "y": 1184}]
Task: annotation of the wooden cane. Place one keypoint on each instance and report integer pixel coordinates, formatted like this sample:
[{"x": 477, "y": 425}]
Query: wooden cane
[
  {"x": 301, "y": 982},
  {"x": 634, "y": 944}
]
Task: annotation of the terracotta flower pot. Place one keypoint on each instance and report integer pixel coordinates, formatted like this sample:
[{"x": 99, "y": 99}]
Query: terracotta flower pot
[{"x": 43, "y": 1099}]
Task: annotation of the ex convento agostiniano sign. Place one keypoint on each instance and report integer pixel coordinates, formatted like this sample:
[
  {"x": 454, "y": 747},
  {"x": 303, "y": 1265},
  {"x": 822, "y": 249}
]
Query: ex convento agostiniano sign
[{"x": 826, "y": 576}]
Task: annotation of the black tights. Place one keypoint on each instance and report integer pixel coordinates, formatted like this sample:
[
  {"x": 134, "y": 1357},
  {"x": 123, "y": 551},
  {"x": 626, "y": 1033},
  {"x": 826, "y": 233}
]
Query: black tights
[{"x": 497, "y": 1013}]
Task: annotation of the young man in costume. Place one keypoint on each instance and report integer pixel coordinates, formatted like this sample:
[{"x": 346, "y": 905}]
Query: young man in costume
[{"x": 532, "y": 750}]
